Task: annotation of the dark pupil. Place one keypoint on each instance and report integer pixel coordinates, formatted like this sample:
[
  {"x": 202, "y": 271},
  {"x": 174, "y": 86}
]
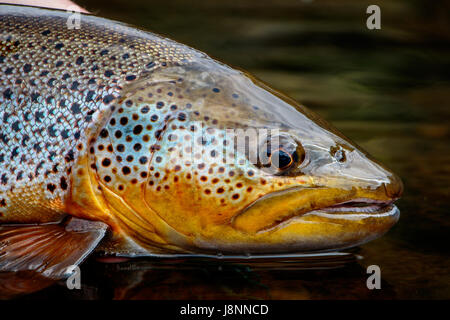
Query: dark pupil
[{"x": 284, "y": 159}]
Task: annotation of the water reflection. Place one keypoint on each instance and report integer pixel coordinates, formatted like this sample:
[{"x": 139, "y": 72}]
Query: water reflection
[{"x": 329, "y": 276}]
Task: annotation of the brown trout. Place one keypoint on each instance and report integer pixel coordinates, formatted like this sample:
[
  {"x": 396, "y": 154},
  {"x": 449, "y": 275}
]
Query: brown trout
[{"x": 121, "y": 140}]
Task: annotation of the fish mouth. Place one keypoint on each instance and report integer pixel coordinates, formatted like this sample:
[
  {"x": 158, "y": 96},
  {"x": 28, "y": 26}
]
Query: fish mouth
[
  {"x": 358, "y": 209},
  {"x": 360, "y": 206},
  {"x": 317, "y": 219},
  {"x": 277, "y": 209}
]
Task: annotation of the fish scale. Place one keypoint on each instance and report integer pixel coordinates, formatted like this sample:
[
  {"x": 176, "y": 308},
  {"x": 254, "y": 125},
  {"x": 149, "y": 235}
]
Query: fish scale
[{"x": 54, "y": 83}]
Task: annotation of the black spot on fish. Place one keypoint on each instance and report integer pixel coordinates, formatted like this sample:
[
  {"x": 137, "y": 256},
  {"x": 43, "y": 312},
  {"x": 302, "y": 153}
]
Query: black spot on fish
[
  {"x": 181, "y": 116},
  {"x": 79, "y": 60},
  {"x": 50, "y": 82},
  {"x": 63, "y": 183},
  {"x": 6, "y": 116},
  {"x": 126, "y": 170},
  {"x": 16, "y": 126},
  {"x": 90, "y": 95},
  {"x": 15, "y": 152},
  {"x": 75, "y": 108},
  {"x": 4, "y": 139},
  {"x": 51, "y": 156},
  {"x": 65, "y": 133},
  {"x": 106, "y": 162},
  {"x": 143, "y": 160},
  {"x": 38, "y": 116},
  {"x": 49, "y": 99},
  {"x": 104, "y": 133},
  {"x": 107, "y": 99},
  {"x": 74, "y": 85},
  {"x": 51, "y": 187},
  {"x": 7, "y": 93},
  {"x": 69, "y": 156},
  {"x": 123, "y": 121},
  {"x": 137, "y": 129},
  {"x": 35, "y": 96},
  {"x": 51, "y": 131},
  {"x": 27, "y": 68},
  {"x": 37, "y": 148},
  {"x": 25, "y": 140}
]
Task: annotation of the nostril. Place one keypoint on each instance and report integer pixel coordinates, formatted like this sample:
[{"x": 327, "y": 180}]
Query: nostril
[{"x": 394, "y": 188}]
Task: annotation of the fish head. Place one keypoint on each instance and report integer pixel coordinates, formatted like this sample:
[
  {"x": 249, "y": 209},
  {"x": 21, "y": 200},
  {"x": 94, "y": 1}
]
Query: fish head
[{"x": 215, "y": 160}]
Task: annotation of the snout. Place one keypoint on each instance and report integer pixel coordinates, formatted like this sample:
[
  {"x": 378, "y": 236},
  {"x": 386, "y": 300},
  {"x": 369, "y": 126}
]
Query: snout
[{"x": 394, "y": 188}]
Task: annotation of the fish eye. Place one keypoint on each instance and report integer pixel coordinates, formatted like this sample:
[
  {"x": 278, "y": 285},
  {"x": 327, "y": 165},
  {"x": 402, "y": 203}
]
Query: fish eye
[
  {"x": 281, "y": 159},
  {"x": 287, "y": 158},
  {"x": 281, "y": 155}
]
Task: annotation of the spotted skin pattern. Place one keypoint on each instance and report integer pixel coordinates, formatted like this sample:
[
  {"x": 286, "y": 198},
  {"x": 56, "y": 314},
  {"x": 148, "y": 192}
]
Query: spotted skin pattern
[
  {"x": 118, "y": 125},
  {"x": 55, "y": 84}
]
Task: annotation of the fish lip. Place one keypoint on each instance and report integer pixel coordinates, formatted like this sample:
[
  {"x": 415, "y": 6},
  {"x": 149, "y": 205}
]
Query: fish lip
[
  {"x": 358, "y": 205},
  {"x": 387, "y": 211}
]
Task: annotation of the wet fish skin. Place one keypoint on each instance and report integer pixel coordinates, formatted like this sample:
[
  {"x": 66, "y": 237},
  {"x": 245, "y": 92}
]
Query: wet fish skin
[
  {"x": 96, "y": 118},
  {"x": 56, "y": 85}
]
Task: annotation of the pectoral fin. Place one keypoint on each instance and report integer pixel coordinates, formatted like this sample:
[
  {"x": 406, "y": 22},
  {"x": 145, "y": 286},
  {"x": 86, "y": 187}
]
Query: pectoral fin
[{"x": 48, "y": 249}]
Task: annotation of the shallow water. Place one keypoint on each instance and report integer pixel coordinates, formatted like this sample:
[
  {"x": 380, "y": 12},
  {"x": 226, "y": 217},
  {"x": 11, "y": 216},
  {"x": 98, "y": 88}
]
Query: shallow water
[{"x": 388, "y": 90}]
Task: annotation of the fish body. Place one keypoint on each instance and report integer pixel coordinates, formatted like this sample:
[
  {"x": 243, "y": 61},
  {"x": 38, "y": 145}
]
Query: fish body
[{"x": 108, "y": 128}]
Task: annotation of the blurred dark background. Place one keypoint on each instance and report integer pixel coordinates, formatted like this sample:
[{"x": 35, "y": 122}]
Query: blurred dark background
[{"x": 388, "y": 90}]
